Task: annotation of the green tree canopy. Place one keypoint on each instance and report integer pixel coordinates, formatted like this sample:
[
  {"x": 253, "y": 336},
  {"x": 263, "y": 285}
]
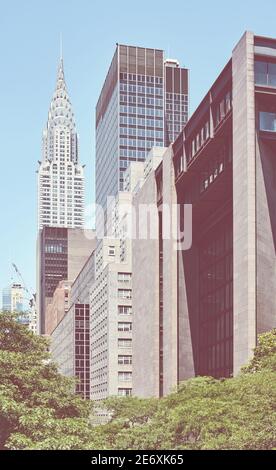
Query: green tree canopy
[
  {"x": 38, "y": 409},
  {"x": 36, "y": 402}
]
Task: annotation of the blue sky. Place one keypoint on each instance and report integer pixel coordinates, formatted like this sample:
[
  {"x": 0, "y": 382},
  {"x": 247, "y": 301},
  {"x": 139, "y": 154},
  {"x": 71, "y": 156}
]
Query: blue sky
[{"x": 201, "y": 34}]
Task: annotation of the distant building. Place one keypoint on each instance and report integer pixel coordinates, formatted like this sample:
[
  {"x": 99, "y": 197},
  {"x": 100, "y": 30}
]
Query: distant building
[{"x": 13, "y": 298}]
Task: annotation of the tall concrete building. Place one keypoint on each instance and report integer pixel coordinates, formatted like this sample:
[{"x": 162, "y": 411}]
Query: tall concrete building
[
  {"x": 143, "y": 104},
  {"x": 60, "y": 175},
  {"x": 209, "y": 302}
]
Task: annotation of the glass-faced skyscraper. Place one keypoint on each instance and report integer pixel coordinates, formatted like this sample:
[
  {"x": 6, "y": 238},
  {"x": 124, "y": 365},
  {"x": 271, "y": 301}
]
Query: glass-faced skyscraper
[
  {"x": 143, "y": 103},
  {"x": 60, "y": 176}
]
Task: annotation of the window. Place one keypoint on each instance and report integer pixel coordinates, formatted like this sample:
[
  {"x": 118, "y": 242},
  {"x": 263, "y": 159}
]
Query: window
[
  {"x": 124, "y": 392},
  {"x": 124, "y": 277},
  {"x": 126, "y": 360},
  {"x": 124, "y": 376},
  {"x": 265, "y": 74},
  {"x": 272, "y": 75},
  {"x": 261, "y": 73},
  {"x": 124, "y": 326},
  {"x": 124, "y": 310},
  {"x": 267, "y": 121},
  {"x": 124, "y": 343},
  {"x": 111, "y": 251},
  {"x": 124, "y": 293}
]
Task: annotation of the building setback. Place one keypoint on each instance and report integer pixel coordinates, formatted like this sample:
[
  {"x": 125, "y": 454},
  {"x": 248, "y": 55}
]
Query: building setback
[
  {"x": 143, "y": 104},
  {"x": 217, "y": 296}
]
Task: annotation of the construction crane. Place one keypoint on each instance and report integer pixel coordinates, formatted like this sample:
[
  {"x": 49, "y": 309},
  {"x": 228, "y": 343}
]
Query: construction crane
[{"x": 32, "y": 296}]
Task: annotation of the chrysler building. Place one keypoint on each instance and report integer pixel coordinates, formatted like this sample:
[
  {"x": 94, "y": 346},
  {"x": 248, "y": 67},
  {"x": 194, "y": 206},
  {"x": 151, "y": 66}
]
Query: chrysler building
[{"x": 60, "y": 176}]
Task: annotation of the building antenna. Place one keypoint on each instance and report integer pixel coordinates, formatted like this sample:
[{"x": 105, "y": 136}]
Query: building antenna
[{"x": 60, "y": 46}]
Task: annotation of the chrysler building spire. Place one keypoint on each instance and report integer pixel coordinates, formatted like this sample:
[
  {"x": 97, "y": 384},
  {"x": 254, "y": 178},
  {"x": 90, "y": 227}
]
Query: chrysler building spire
[{"x": 61, "y": 180}]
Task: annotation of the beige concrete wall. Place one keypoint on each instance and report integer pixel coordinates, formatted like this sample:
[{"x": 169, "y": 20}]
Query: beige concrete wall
[
  {"x": 244, "y": 201},
  {"x": 145, "y": 259},
  {"x": 81, "y": 243},
  {"x": 170, "y": 315}
]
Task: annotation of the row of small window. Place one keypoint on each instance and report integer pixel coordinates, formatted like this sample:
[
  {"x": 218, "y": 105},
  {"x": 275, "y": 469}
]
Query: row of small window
[
  {"x": 141, "y": 111},
  {"x": 55, "y": 248},
  {"x": 200, "y": 139},
  {"x": 265, "y": 73},
  {"x": 141, "y": 78},
  {"x": 175, "y": 127},
  {"x": 223, "y": 108},
  {"x": 209, "y": 178},
  {"x": 172, "y": 117},
  {"x": 141, "y": 100},
  {"x": 133, "y": 154},
  {"x": 141, "y": 132},
  {"x": 133, "y": 121},
  {"x": 140, "y": 143},
  {"x": 141, "y": 89},
  {"x": 176, "y": 97},
  {"x": 177, "y": 107}
]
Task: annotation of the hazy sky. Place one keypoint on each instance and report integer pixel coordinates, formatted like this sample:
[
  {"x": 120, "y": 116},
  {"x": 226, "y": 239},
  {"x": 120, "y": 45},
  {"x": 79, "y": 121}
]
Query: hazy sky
[{"x": 200, "y": 34}]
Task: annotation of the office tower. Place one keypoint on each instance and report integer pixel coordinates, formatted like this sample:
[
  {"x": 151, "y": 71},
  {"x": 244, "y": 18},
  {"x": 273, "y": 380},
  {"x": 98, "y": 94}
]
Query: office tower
[
  {"x": 62, "y": 252},
  {"x": 218, "y": 295},
  {"x": 13, "y": 298},
  {"x": 143, "y": 103},
  {"x": 60, "y": 176}
]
